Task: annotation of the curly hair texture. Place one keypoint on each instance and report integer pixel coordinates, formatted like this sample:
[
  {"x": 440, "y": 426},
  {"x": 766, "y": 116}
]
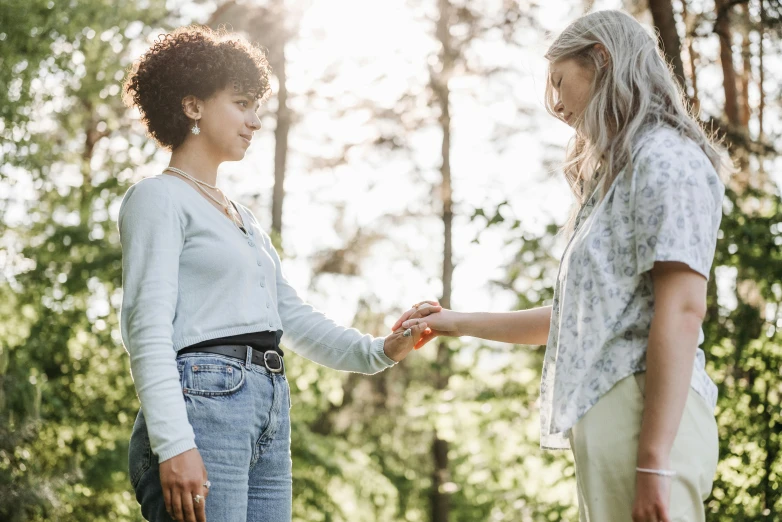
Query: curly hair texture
[{"x": 196, "y": 61}]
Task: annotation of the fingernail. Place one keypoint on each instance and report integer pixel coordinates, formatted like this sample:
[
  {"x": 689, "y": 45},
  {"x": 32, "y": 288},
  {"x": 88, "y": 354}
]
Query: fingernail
[{"x": 428, "y": 331}]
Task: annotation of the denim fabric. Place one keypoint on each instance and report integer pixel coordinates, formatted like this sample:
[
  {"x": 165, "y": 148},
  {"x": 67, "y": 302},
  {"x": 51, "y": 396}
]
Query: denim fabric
[{"x": 240, "y": 415}]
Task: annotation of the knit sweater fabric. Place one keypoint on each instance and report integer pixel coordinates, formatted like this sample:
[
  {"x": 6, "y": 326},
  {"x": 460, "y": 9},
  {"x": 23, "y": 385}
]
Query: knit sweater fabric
[{"x": 189, "y": 274}]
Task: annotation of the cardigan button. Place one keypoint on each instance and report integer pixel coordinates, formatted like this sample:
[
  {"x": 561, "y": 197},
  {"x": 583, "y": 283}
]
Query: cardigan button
[{"x": 259, "y": 262}]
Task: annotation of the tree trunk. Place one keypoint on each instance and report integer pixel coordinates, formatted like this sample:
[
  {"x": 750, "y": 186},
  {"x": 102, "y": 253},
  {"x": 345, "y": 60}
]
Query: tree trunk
[
  {"x": 746, "y": 70},
  {"x": 665, "y": 22},
  {"x": 761, "y": 75},
  {"x": 722, "y": 28},
  {"x": 280, "y": 141},
  {"x": 695, "y": 100},
  {"x": 440, "y": 495}
]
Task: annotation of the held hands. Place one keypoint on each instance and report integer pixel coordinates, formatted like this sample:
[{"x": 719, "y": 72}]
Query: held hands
[
  {"x": 436, "y": 319},
  {"x": 398, "y": 345},
  {"x": 185, "y": 486}
]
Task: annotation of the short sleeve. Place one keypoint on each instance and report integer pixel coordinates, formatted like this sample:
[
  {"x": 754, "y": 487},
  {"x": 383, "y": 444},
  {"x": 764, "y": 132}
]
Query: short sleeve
[{"x": 677, "y": 204}]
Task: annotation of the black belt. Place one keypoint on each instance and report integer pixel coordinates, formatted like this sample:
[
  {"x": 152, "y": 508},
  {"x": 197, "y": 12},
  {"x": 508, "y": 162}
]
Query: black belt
[{"x": 269, "y": 359}]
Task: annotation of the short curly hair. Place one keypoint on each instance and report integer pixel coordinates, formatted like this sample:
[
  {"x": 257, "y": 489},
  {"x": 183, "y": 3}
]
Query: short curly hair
[{"x": 193, "y": 60}]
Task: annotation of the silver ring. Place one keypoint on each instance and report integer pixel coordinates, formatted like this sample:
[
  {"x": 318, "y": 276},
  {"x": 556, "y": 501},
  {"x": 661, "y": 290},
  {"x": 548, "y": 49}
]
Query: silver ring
[
  {"x": 407, "y": 333},
  {"x": 207, "y": 484},
  {"x": 197, "y": 499}
]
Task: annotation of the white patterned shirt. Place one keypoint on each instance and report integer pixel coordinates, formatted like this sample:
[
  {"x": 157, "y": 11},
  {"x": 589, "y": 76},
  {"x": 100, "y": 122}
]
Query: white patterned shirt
[{"x": 668, "y": 208}]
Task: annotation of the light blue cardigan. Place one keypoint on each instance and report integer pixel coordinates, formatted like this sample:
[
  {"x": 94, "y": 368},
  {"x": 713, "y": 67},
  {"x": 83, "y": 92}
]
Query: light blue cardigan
[{"x": 189, "y": 274}]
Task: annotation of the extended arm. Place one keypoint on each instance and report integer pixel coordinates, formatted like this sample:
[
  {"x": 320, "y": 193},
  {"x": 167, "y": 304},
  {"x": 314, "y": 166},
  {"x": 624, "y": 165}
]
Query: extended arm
[{"x": 520, "y": 327}]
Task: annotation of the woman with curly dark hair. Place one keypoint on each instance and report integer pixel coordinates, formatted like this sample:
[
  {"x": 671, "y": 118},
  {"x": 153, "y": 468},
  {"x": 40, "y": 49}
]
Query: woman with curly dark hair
[{"x": 206, "y": 302}]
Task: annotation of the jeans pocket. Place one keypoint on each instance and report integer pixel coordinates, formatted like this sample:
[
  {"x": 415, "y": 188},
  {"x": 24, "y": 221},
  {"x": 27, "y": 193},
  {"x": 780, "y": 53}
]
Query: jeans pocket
[
  {"x": 139, "y": 451},
  {"x": 211, "y": 376}
]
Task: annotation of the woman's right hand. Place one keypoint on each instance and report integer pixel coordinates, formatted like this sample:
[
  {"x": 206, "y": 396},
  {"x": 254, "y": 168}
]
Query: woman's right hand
[
  {"x": 440, "y": 321},
  {"x": 183, "y": 477}
]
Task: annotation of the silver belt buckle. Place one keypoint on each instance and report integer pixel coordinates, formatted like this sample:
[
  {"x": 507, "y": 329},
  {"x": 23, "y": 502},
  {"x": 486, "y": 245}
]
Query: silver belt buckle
[{"x": 266, "y": 361}]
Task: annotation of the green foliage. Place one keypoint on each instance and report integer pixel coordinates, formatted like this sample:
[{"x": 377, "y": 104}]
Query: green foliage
[
  {"x": 361, "y": 445},
  {"x": 67, "y": 393},
  {"x": 745, "y": 358}
]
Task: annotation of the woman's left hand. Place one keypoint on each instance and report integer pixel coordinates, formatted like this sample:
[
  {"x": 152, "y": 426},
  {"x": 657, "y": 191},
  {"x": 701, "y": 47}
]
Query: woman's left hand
[
  {"x": 397, "y": 346},
  {"x": 652, "y": 495}
]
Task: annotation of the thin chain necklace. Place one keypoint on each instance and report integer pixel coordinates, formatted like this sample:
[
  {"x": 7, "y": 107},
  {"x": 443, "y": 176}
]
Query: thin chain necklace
[{"x": 225, "y": 204}]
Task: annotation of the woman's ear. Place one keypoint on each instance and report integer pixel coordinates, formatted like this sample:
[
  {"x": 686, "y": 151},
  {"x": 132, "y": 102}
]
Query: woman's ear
[
  {"x": 603, "y": 58},
  {"x": 192, "y": 107}
]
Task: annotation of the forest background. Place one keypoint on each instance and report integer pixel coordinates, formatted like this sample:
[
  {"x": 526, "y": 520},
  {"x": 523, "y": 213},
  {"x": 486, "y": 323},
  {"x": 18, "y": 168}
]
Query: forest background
[{"x": 406, "y": 154}]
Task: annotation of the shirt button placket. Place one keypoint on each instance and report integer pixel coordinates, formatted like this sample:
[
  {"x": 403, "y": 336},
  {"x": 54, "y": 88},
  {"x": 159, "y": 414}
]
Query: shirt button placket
[{"x": 263, "y": 285}]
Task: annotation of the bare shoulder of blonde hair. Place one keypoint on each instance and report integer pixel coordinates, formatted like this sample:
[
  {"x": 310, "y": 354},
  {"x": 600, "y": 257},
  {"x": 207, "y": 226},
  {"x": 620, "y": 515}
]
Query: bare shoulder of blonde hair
[{"x": 633, "y": 92}]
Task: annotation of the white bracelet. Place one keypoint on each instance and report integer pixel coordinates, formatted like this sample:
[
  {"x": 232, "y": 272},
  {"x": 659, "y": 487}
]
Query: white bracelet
[{"x": 661, "y": 472}]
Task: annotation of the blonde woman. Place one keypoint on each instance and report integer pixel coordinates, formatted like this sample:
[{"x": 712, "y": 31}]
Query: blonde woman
[{"x": 623, "y": 381}]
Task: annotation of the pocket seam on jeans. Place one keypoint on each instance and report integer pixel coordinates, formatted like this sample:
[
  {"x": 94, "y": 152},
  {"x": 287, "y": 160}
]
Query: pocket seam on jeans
[
  {"x": 221, "y": 393},
  {"x": 211, "y": 368}
]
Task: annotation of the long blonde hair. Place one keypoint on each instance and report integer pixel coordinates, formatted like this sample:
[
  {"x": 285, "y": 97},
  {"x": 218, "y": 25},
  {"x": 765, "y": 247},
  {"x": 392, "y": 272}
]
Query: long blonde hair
[{"x": 633, "y": 91}]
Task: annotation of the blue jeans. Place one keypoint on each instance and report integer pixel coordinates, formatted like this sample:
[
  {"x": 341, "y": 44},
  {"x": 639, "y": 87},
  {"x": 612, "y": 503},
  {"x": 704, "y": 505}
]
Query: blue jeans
[{"x": 241, "y": 418}]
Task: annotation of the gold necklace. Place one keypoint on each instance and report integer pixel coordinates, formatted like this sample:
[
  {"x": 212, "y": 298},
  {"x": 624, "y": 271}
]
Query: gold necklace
[{"x": 225, "y": 204}]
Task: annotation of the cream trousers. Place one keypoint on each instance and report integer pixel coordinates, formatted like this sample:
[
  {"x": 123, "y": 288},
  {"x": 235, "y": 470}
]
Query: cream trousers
[{"x": 605, "y": 445}]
